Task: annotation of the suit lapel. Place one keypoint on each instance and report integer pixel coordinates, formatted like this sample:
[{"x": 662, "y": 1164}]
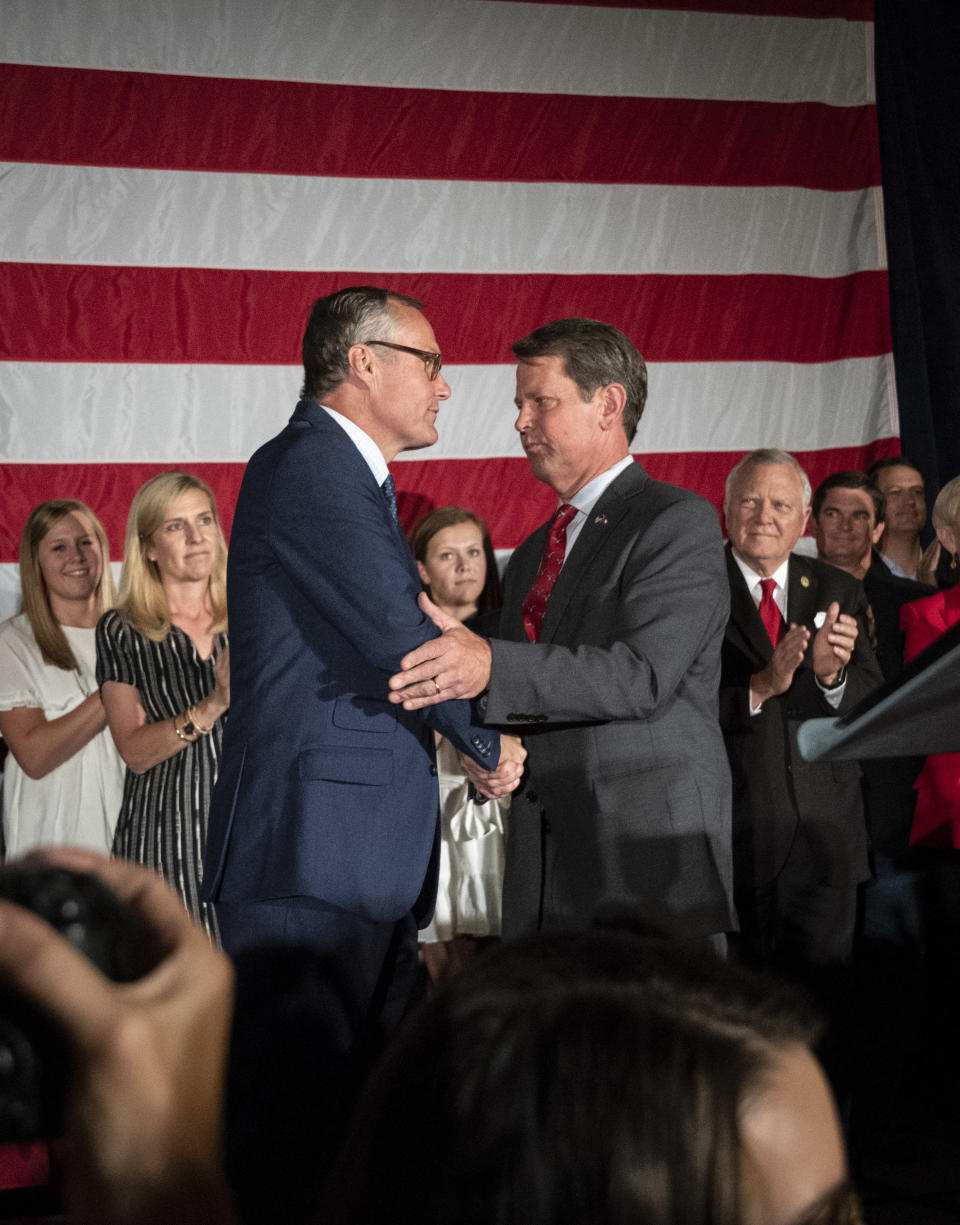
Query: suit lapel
[
  {"x": 600, "y": 526},
  {"x": 315, "y": 415},
  {"x": 744, "y": 618},
  {"x": 802, "y": 593}
]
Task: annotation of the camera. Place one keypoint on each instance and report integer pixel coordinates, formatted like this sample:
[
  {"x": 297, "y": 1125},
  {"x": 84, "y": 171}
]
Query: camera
[{"x": 34, "y": 1059}]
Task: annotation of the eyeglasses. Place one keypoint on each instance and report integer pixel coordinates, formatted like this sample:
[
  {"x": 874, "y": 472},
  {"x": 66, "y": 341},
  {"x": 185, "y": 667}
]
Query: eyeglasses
[{"x": 432, "y": 362}]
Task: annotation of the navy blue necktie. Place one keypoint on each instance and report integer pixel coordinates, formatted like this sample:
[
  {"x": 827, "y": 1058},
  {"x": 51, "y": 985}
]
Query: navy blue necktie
[{"x": 390, "y": 493}]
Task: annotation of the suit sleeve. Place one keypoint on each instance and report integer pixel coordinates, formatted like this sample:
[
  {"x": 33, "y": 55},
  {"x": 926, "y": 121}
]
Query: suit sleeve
[
  {"x": 804, "y": 699},
  {"x": 334, "y": 542},
  {"x": 671, "y": 598},
  {"x": 862, "y": 673}
]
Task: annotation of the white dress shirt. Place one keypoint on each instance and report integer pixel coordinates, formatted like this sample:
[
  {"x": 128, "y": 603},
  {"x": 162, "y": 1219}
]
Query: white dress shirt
[
  {"x": 781, "y": 578},
  {"x": 364, "y": 444},
  {"x": 586, "y": 498}
]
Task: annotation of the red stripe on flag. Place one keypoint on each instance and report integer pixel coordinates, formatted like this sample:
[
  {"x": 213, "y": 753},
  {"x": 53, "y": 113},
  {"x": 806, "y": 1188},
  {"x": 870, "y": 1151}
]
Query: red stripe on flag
[
  {"x": 502, "y": 491},
  {"x": 81, "y": 313},
  {"x": 96, "y": 117},
  {"x": 107, "y": 489}
]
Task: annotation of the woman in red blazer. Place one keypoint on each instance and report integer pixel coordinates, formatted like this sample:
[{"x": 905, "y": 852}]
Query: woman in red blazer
[{"x": 936, "y": 821}]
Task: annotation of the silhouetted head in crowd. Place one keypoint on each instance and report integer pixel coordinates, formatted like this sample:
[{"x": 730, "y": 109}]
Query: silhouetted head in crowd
[{"x": 601, "y": 1078}]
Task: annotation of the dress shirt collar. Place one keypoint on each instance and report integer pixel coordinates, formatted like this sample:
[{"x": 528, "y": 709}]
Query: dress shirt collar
[
  {"x": 894, "y": 568},
  {"x": 364, "y": 444},
  {"x": 586, "y": 498},
  {"x": 779, "y": 576}
]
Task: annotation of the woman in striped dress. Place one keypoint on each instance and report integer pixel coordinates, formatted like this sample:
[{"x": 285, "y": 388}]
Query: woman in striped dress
[{"x": 163, "y": 669}]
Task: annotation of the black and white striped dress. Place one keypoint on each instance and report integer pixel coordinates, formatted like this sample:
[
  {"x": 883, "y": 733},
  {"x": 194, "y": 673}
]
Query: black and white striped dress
[{"x": 163, "y": 817}]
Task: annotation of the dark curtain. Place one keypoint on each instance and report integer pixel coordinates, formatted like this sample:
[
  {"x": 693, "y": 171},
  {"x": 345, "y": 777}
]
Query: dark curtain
[{"x": 918, "y": 107}]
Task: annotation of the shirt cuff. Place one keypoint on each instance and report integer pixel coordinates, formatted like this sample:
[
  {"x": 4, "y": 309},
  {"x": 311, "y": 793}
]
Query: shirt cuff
[{"x": 834, "y": 695}]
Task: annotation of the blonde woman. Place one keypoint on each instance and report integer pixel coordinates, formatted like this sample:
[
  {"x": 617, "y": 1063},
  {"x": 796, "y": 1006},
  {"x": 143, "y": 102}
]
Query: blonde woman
[
  {"x": 163, "y": 668},
  {"x": 63, "y": 779}
]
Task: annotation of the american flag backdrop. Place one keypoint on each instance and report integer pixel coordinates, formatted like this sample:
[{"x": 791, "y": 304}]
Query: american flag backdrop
[{"x": 180, "y": 179}]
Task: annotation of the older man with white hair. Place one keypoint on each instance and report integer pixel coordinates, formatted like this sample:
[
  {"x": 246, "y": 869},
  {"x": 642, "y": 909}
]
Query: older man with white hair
[{"x": 795, "y": 648}]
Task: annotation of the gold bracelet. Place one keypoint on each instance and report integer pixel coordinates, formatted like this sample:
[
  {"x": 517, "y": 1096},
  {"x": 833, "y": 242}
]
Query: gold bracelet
[
  {"x": 195, "y": 720},
  {"x": 181, "y": 731}
]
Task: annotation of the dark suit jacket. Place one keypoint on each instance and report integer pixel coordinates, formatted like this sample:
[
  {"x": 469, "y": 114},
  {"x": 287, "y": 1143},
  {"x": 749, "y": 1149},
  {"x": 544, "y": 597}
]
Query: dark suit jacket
[
  {"x": 888, "y": 793},
  {"x": 886, "y": 594},
  {"x": 617, "y": 705},
  {"x": 777, "y": 796},
  {"x": 326, "y": 790}
]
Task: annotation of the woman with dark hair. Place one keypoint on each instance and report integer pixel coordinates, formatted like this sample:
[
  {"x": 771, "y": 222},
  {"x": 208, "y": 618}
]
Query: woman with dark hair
[
  {"x": 602, "y": 1078},
  {"x": 63, "y": 779},
  {"x": 458, "y": 570},
  {"x": 456, "y": 563},
  {"x": 164, "y": 672}
]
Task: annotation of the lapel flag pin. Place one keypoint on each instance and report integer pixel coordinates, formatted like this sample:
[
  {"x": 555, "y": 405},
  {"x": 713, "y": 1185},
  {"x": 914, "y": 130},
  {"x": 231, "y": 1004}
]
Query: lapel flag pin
[{"x": 600, "y": 519}]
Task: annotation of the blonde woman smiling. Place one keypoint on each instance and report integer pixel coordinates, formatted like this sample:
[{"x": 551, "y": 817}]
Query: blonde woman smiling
[{"x": 63, "y": 779}]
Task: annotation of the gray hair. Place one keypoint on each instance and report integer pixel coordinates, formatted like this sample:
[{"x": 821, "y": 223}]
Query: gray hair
[
  {"x": 338, "y": 322},
  {"x": 768, "y": 456}
]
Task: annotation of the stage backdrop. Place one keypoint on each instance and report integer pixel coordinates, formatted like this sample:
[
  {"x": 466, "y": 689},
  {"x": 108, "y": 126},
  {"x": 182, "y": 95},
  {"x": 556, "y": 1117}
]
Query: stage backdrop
[{"x": 180, "y": 180}]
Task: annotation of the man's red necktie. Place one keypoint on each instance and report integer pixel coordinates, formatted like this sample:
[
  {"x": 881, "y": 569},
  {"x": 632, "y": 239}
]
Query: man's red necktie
[
  {"x": 535, "y": 605},
  {"x": 770, "y": 614}
]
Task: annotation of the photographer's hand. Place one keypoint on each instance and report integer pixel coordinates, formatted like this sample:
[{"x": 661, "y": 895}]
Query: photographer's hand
[{"x": 144, "y": 1118}]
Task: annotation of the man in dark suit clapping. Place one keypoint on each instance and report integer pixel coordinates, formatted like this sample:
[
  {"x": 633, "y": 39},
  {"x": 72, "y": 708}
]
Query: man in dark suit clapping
[{"x": 796, "y": 647}]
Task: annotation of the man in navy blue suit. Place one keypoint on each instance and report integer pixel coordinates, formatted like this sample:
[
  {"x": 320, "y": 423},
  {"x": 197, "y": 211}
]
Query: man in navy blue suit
[{"x": 323, "y": 828}]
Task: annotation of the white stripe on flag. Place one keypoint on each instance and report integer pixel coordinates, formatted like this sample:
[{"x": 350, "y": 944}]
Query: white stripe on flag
[
  {"x": 457, "y": 44},
  {"x": 63, "y": 412},
  {"x": 93, "y": 215}
]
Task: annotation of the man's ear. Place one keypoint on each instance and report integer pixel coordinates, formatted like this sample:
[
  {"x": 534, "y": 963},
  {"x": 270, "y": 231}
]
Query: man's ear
[
  {"x": 360, "y": 359},
  {"x": 877, "y": 532},
  {"x": 613, "y": 400}
]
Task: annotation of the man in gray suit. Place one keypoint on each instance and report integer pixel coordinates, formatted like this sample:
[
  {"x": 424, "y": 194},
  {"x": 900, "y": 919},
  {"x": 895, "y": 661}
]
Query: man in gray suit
[{"x": 608, "y": 662}]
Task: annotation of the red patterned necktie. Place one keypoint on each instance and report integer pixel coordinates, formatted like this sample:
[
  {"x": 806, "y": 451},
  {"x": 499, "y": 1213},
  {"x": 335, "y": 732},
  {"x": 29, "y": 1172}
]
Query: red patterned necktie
[
  {"x": 770, "y": 614},
  {"x": 535, "y": 605}
]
